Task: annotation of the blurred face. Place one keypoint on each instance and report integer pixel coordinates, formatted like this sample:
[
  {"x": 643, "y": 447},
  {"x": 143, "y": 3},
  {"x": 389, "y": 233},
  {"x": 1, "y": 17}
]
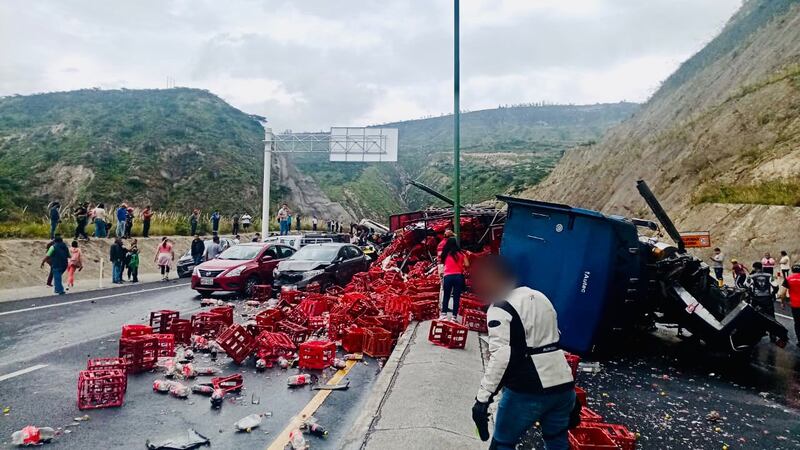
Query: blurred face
[{"x": 490, "y": 285}]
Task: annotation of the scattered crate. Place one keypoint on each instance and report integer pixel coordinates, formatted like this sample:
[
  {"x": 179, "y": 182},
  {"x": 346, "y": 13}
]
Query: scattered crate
[
  {"x": 589, "y": 416},
  {"x": 583, "y": 438},
  {"x": 161, "y": 321},
  {"x": 165, "y": 345},
  {"x": 297, "y": 315},
  {"x": 297, "y": 333},
  {"x": 272, "y": 345},
  {"x": 316, "y": 355},
  {"x": 353, "y": 340},
  {"x": 397, "y": 304},
  {"x": 224, "y": 312},
  {"x": 618, "y": 433},
  {"x": 334, "y": 290},
  {"x": 314, "y": 306},
  {"x": 107, "y": 364},
  {"x": 425, "y": 309},
  {"x": 377, "y": 342},
  {"x": 140, "y": 352},
  {"x": 134, "y": 330},
  {"x": 393, "y": 323},
  {"x": 101, "y": 388},
  {"x": 262, "y": 292},
  {"x": 474, "y": 319},
  {"x": 317, "y": 322},
  {"x": 181, "y": 329},
  {"x": 573, "y": 361},
  {"x": 207, "y": 324},
  {"x": 231, "y": 383},
  {"x": 337, "y": 324},
  {"x": 290, "y": 296},
  {"x": 448, "y": 334},
  {"x": 580, "y": 394},
  {"x": 469, "y": 304},
  {"x": 268, "y": 318},
  {"x": 236, "y": 342}
]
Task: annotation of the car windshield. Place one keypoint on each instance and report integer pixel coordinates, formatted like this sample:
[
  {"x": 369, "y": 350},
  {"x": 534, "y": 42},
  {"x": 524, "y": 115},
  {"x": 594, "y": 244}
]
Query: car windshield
[
  {"x": 242, "y": 252},
  {"x": 316, "y": 253}
]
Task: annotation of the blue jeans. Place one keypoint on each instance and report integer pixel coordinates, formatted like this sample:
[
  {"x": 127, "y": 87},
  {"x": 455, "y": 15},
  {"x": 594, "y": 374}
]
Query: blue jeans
[
  {"x": 518, "y": 411},
  {"x": 453, "y": 285},
  {"x": 53, "y": 226},
  {"x": 197, "y": 260},
  {"x": 57, "y": 284},
  {"x": 116, "y": 272},
  {"x": 284, "y": 227},
  {"x": 120, "y": 228},
  {"x": 99, "y": 228}
]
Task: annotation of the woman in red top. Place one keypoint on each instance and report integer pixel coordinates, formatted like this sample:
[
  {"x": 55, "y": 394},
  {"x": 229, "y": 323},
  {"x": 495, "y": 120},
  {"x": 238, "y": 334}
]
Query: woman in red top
[{"x": 455, "y": 262}]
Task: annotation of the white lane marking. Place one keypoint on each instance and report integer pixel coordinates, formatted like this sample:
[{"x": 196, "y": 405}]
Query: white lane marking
[
  {"x": 785, "y": 317},
  {"x": 22, "y": 372},
  {"x": 34, "y": 308}
]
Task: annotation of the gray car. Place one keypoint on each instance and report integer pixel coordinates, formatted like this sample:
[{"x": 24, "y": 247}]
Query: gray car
[{"x": 326, "y": 264}]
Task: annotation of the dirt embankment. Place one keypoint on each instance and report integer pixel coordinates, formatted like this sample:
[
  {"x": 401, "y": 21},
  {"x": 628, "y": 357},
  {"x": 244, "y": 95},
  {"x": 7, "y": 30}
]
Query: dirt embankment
[{"x": 20, "y": 259}]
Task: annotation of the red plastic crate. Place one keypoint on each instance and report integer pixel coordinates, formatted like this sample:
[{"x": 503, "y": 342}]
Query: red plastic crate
[
  {"x": 337, "y": 324},
  {"x": 583, "y": 438},
  {"x": 581, "y": 395},
  {"x": 101, "y": 388},
  {"x": 618, "y": 433},
  {"x": 425, "y": 310},
  {"x": 182, "y": 330},
  {"x": 313, "y": 287},
  {"x": 161, "y": 321},
  {"x": 474, "y": 319},
  {"x": 334, "y": 290},
  {"x": 225, "y": 312},
  {"x": 353, "y": 340},
  {"x": 377, "y": 342},
  {"x": 297, "y": 315},
  {"x": 228, "y": 384},
  {"x": 314, "y": 306},
  {"x": 262, "y": 292},
  {"x": 165, "y": 345},
  {"x": 369, "y": 321},
  {"x": 236, "y": 342},
  {"x": 317, "y": 322},
  {"x": 272, "y": 345},
  {"x": 589, "y": 416},
  {"x": 397, "y": 304},
  {"x": 107, "y": 364},
  {"x": 268, "y": 318},
  {"x": 448, "y": 334},
  {"x": 469, "y": 304},
  {"x": 290, "y": 297},
  {"x": 140, "y": 352},
  {"x": 297, "y": 333},
  {"x": 393, "y": 323},
  {"x": 573, "y": 361},
  {"x": 136, "y": 330},
  {"x": 316, "y": 355},
  {"x": 207, "y": 324}
]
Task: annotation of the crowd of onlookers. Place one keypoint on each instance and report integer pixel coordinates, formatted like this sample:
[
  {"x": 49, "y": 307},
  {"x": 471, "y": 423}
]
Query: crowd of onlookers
[{"x": 103, "y": 220}]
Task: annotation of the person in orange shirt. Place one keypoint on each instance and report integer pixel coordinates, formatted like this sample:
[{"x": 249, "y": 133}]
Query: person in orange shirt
[{"x": 791, "y": 285}]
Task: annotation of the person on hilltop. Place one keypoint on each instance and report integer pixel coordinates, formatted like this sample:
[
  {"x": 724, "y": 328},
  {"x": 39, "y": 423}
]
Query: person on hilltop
[
  {"x": 194, "y": 221},
  {"x": 129, "y": 222},
  {"x": 786, "y": 264},
  {"x": 215, "y": 217},
  {"x": 99, "y": 214},
  {"x": 147, "y": 215},
  {"x": 75, "y": 263},
  {"x": 768, "y": 264},
  {"x": 718, "y": 264},
  {"x": 246, "y": 221},
  {"x": 164, "y": 257},
  {"x": 55, "y": 217},
  {"x": 122, "y": 217},
  {"x": 314, "y": 222},
  {"x": 58, "y": 258},
  {"x": 81, "y": 220},
  {"x": 235, "y": 224},
  {"x": 197, "y": 250}
]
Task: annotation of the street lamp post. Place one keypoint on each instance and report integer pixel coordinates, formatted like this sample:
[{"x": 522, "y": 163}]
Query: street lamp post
[
  {"x": 456, "y": 127},
  {"x": 268, "y": 141}
]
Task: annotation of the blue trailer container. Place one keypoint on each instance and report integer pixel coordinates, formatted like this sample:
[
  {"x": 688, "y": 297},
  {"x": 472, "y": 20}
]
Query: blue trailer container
[{"x": 587, "y": 263}]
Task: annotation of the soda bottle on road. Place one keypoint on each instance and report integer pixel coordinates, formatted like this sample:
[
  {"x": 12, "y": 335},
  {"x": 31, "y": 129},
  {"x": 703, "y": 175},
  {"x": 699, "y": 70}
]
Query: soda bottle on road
[
  {"x": 179, "y": 390},
  {"x": 217, "y": 397},
  {"x": 283, "y": 363},
  {"x": 162, "y": 385},
  {"x": 339, "y": 364},
  {"x": 316, "y": 429},
  {"x": 297, "y": 441},
  {"x": 299, "y": 380},
  {"x": 202, "y": 389},
  {"x": 32, "y": 435}
]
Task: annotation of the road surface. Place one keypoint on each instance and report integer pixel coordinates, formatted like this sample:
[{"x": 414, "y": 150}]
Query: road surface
[{"x": 45, "y": 342}]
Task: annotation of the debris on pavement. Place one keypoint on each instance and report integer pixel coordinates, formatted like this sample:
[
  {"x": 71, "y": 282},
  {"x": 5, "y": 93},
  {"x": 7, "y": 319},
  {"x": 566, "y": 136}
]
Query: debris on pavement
[
  {"x": 332, "y": 387},
  {"x": 191, "y": 439},
  {"x": 31, "y": 435},
  {"x": 246, "y": 424},
  {"x": 297, "y": 441}
]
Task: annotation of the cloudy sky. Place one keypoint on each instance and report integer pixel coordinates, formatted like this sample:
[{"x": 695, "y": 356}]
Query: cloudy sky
[{"x": 311, "y": 64}]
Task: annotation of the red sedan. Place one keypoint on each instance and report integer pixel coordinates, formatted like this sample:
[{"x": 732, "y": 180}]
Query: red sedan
[{"x": 239, "y": 268}]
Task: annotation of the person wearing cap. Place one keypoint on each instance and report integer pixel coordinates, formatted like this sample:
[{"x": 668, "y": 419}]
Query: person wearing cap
[
  {"x": 739, "y": 273},
  {"x": 791, "y": 286}
]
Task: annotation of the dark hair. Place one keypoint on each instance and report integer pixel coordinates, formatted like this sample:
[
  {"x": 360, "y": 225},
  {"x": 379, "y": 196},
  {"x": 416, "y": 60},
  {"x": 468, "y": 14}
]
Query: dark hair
[
  {"x": 495, "y": 264},
  {"x": 796, "y": 268},
  {"x": 451, "y": 248},
  {"x": 216, "y": 239},
  {"x": 75, "y": 244},
  {"x": 717, "y": 249},
  {"x": 58, "y": 238},
  {"x": 783, "y": 252},
  {"x": 100, "y": 205},
  {"x": 757, "y": 265}
]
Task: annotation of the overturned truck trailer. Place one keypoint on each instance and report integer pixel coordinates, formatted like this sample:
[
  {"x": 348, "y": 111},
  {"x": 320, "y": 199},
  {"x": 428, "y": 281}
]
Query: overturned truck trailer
[{"x": 602, "y": 276}]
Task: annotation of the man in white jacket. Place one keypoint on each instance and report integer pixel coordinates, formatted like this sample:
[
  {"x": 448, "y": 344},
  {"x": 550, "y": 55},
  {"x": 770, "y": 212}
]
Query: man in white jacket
[{"x": 524, "y": 359}]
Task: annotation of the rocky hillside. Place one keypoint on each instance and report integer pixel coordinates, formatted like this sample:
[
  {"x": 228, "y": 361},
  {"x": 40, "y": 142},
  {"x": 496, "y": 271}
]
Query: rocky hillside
[{"x": 719, "y": 142}]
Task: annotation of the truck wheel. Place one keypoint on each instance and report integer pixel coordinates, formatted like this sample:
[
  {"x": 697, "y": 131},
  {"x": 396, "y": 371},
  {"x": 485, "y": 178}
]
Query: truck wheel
[{"x": 250, "y": 286}]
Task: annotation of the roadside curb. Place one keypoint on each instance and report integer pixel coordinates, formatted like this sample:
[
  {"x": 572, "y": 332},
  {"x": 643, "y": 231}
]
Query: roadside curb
[{"x": 360, "y": 432}]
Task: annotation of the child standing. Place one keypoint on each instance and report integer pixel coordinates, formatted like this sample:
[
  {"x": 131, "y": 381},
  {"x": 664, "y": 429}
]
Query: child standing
[
  {"x": 133, "y": 265},
  {"x": 75, "y": 262}
]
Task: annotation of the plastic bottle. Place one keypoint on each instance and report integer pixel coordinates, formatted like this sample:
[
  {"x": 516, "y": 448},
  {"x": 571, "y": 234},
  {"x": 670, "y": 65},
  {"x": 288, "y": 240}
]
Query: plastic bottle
[
  {"x": 261, "y": 364},
  {"x": 188, "y": 371},
  {"x": 188, "y": 354},
  {"x": 299, "y": 380},
  {"x": 339, "y": 364},
  {"x": 179, "y": 390},
  {"x": 248, "y": 423},
  {"x": 217, "y": 397},
  {"x": 32, "y": 435},
  {"x": 283, "y": 363},
  {"x": 202, "y": 389},
  {"x": 297, "y": 441},
  {"x": 163, "y": 385},
  {"x": 315, "y": 429},
  {"x": 353, "y": 357},
  {"x": 199, "y": 342},
  {"x": 205, "y": 371}
]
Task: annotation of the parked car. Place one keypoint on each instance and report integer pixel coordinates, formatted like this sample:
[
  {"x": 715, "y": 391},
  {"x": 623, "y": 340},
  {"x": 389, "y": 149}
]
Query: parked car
[
  {"x": 326, "y": 264},
  {"x": 239, "y": 268},
  {"x": 297, "y": 241},
  {"x": 185, "y": 264}
]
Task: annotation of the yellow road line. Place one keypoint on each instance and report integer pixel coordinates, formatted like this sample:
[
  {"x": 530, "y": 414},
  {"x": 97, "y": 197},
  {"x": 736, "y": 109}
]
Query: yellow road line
[{"x": 280, "y": 442}]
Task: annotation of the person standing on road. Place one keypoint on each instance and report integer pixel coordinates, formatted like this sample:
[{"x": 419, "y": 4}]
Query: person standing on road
[
  {"x": 214, "y": 249},
  {"x": 194, "y": 221},
  {"x": 246, "y": 220},
  {"x": 718, "y": 264},
  {"x": 283, "y": 219},
  {"x": 122, "y": 217},
  {"x": 524, "y": 359},
  {"x": 762, "y": 292},
  {"x": 198, "y": 249},
  {"x": 99, "y": 213},
  {"x": 791, "y": 286},
  {"x": 768, "y": 264},
  {"x": 117, "y": 256},
  {"x": 129, "y": 222},
  {"x": 314, "y": 222},
  {"x": 81, "y": 219},
  {"x": 215, "y": 217},
  {"x": 58, "y": 258},
  {"x": 147, "y": 215},
  {"x": 786, "y": 264},
  {"x": 235, "y": 224},
  {"x": 133, "y": 264},
  {"x": 455, "y": 262},
  {"x": 739, "y": 273},
  {"x": 164, "y": 257},
  {"x": 75, "y": 263},
  {"x": 129, "y": 258},
  {"x": 55, "y": 218}
]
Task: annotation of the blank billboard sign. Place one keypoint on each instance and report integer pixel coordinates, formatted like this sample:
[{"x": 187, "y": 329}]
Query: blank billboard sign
[{"x": 359, "y": 144}]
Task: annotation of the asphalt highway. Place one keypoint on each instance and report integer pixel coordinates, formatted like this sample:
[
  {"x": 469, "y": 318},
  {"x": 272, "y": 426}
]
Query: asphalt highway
[{"x": 45, "y": 342}]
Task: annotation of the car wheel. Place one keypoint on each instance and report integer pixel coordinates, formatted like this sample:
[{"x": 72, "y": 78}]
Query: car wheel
[
  {"x": 204, "y": 293},
  {"x": 250, "y": 286}
]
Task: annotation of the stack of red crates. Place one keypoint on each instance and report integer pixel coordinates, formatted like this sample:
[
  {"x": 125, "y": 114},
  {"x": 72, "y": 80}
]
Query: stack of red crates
[
  {"x": 267, "y": 319},
  {"x": 161, "y": 321},
  {"x": 377, "y": 342},
  {"x": 182, "y": 330},
  {"x": 236, "y": 342},
  {"x": 424, "y": 309},
  {"x": 134, "y": 330},
  {"x": 207, "y": 324},
  {"x": 316, "y": 355},
  {"x": 165, "y": 345},
  {"x": 101, "y": 387},
  {"x": 397, "y": 304},
  {"x": 140, "y": 352},
  {"x": 297, "y": 333},
  {"x": 225, "y": 313},
  {"x": 448, "y": 334}
]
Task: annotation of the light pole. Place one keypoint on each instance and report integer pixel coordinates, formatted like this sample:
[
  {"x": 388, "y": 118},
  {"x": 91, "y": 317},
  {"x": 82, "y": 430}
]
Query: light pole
[
  {"x": 268, "y": 142},
  {"x": 456, "y": 128}
]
